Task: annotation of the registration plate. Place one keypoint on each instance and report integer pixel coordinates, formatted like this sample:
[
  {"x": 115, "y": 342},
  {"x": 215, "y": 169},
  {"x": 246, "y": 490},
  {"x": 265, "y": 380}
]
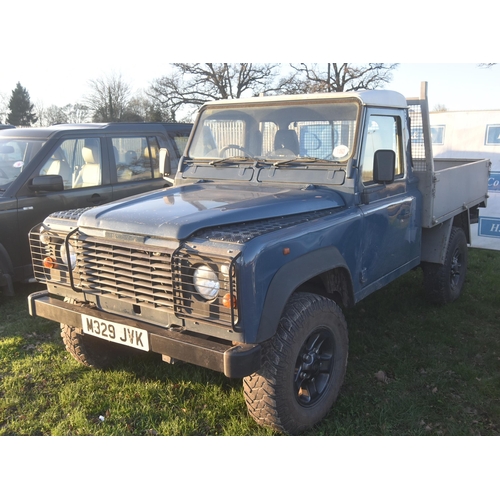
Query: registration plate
[{"x": 116, "y": 332}]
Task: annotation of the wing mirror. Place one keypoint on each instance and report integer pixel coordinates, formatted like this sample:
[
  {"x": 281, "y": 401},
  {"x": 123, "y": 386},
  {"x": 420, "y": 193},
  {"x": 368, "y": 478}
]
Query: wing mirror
[
  {"x": 384, "y": 166},
  {"x": 47, "y": 183}
]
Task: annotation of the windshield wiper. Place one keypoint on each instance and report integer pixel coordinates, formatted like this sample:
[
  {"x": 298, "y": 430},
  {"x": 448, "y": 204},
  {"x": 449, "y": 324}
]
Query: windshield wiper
[
  {"x": 232, "y": 159},
  {"x": 304, "y": 159}
]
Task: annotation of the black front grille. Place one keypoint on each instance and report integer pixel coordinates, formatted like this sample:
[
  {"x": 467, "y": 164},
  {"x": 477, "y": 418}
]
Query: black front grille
[
  {"x": 139, "y": 274},
  {"x": 133, "y": 273}
]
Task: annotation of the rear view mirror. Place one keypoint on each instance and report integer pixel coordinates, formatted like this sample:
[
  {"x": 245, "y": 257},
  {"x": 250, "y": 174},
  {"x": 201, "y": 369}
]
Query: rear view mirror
[
  {"x": 384, "y": 166},
  {"x": 165, "y": 168}
]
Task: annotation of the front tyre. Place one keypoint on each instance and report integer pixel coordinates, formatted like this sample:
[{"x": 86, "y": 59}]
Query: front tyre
[
  {"x": 304, "y": 366},
  {"x": 444, "y": 282},
  {"x": 91, "y": 351}
]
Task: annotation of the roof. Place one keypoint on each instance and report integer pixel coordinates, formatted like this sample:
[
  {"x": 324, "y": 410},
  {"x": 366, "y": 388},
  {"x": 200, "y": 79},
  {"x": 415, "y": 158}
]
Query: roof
[
  {"x": 46, "y": 132},
  {"x": 385, "y": 98}
]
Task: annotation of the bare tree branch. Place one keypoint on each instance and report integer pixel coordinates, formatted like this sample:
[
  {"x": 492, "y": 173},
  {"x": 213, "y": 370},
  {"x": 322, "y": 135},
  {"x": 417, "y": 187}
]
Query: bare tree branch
[
  {"x": 108, "y": 98},
  {"x": 195, "y": 84},
  {"x": 339, "y": 77}
]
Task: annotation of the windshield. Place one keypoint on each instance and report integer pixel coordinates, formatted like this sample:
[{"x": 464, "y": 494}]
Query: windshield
[
  {"x": 15, "y": 154},
  {"x": 277, "y": 132}
]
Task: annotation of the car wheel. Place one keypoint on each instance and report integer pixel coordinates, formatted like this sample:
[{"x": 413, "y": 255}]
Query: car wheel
[
  {"x": 444, "y": 282},
  {"x": 91, "y": 351},
  {"x": 304, "y": 366}
]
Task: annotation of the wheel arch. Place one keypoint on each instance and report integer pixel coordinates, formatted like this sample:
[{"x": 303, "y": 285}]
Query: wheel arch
[
  {"x": 462, "y": 220},
  {"x": 323, "y": 271},
  {"x": 435, "y": 240}
]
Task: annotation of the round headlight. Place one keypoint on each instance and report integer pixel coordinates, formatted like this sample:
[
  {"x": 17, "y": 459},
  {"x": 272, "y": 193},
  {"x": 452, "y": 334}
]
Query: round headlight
[
  {"x": 206, "y": 282},
  {"x": 64, "y": 256}
]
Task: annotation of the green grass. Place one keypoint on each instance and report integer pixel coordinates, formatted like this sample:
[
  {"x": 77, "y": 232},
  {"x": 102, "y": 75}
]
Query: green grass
[{"x": 441, "y": 368}]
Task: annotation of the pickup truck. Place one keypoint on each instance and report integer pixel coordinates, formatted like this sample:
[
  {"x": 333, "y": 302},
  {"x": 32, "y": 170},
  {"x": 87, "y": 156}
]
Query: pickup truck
[
  {"x": 284, "y": 211},
  {"x": 43, "y": 170}
]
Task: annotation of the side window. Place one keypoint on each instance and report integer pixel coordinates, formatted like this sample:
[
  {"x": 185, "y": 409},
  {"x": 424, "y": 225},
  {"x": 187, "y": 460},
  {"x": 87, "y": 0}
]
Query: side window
[
  {"x": 136, "y": 158},
  {"x": 77, "y": 161},
  {"x": 180, "y": 141},
  {"x": 382, "y": 133}
]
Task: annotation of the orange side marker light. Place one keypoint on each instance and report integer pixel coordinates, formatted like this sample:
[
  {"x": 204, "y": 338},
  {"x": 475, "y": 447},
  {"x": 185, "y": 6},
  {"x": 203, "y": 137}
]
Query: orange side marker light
[
  {"x": 229, "y": 301},
  {"x": 49, "y": 263}
]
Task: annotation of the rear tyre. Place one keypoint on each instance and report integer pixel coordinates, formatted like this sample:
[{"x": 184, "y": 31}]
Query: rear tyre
[
  {"x": 444, "y": 282},
  {"x": 303, "y": 367}
]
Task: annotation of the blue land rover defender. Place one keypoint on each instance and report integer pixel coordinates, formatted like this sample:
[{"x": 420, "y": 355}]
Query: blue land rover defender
[{"x": 284, "y": 210}]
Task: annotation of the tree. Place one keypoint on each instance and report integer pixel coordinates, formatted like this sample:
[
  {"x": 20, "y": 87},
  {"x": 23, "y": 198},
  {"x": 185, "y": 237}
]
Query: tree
[
  {"x": 70, "y": 113},
  {"x": 194, "y": 84},
  {"x": 21, "y": 109},
  {"x": 439, "y": 108},
  {"x": 108, "y": 98},
  {"x": 142, "y": 108},
  {"x": 77, "y": 113},
  {"x": 50, "y": 116},
  {"x": 338, "y": 77},
  {"x": 3, "y": 107}
]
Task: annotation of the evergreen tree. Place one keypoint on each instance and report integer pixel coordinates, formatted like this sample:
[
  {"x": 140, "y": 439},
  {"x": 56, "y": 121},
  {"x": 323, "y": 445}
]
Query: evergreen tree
[{"x": 21, "y": 109}]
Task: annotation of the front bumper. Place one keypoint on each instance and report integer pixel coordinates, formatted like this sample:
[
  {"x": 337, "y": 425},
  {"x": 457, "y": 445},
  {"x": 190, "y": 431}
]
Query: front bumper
[{"x": 234, "y": 361}]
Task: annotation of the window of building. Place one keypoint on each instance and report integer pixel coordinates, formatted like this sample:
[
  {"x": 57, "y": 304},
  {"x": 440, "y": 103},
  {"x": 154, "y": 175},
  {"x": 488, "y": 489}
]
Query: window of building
[
  {"x": 493, "y": 135},
  {"x": 437, "y": 134}
]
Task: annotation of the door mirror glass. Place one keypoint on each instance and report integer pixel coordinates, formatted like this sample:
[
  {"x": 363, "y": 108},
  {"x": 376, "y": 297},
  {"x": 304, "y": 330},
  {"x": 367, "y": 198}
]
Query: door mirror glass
[{"x": 384, "y": 166}]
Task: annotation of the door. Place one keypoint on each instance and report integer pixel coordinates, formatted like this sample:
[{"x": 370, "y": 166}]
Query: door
[
  {"x": 389, "y": 209},
  {"x": 81, "y": 163}
]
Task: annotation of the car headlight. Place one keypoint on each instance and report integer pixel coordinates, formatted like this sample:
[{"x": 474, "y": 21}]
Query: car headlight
[
  {"x": 206, "y": 282},
  {"x": 64, "y": 256}
]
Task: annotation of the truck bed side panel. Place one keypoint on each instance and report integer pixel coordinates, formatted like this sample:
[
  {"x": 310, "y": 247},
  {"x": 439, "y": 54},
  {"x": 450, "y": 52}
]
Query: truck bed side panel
[{"x": 457, "y": 188}]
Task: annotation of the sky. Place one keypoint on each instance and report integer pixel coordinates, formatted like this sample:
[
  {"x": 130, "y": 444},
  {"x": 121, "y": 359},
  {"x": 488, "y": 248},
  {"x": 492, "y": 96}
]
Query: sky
[
  {"x": 457, "y": 86},
  {"x": 54, "y": 48}
]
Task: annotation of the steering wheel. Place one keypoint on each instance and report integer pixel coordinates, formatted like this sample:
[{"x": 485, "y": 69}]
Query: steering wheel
[
  {"x": 282, "y": 153},
  {"x": 234, "y": 146}
]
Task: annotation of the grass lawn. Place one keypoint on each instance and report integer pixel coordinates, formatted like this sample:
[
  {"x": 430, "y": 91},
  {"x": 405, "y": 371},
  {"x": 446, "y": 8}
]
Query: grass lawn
[{"x": 414, "y": 369}]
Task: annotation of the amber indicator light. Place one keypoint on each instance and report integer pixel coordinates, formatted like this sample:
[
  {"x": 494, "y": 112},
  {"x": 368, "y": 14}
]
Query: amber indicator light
[
  {"x": 229, "y": 301},
  {"x": 49, "y": 263}
]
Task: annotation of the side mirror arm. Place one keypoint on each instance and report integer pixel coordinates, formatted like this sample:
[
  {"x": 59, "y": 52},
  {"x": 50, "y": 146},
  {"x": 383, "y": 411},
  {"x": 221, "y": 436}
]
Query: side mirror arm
[{"x": 165, "y": 167}]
